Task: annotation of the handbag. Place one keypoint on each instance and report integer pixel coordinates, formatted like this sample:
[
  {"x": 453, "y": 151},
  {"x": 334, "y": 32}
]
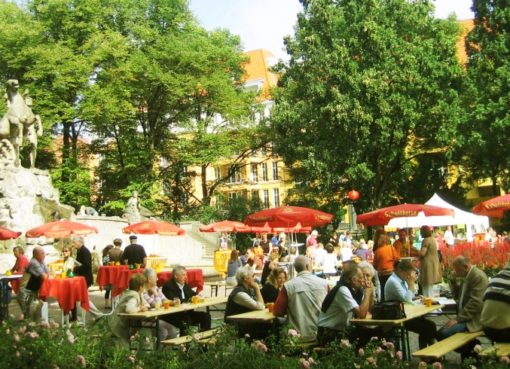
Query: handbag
[{"x": 392, "y": 309}]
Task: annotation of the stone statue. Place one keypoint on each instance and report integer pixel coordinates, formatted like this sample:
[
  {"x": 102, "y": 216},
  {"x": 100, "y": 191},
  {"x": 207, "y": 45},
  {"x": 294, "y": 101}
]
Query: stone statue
[
  {"x": 132, "y": 211},
  {"x": 88, "y": 211},
  {"x": 19, "y": 122}
]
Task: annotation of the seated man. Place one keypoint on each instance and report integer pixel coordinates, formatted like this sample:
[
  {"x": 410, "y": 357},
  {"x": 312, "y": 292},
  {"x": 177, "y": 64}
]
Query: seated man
[
  {"x": 301, "y": 298},
  {"x": 33, "y": 277},
  {"x": 400, "y": 287},
  {"x": 353, "y": 296},
  {"x": 178, "y": 290},
  {"x": 495, "y": 317},
  {"x": 246, "y": 297}
]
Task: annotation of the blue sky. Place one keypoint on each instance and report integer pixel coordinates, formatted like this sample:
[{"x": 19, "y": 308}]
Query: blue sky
[{"x": 262, "y": 24}]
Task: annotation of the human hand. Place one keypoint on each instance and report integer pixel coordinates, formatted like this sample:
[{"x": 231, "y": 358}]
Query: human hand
[{"x": 450, "y": 323}]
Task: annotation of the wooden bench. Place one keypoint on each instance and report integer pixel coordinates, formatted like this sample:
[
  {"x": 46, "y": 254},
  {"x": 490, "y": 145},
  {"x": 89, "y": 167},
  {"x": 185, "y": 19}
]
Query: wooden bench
[
  {"x": 447, "y": 345},
  {"x": 498, "y": 349},
  {"x": 302, "y": 346},
  {"x": 215, "y": 286},
  {"x": 202, "y": 337}
]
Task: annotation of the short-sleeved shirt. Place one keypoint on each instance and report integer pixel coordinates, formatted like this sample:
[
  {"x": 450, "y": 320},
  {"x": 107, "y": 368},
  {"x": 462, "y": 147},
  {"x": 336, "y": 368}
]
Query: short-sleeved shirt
[
  {"x": 339, "y": 314},
  {"x": 134, "y": 254}
]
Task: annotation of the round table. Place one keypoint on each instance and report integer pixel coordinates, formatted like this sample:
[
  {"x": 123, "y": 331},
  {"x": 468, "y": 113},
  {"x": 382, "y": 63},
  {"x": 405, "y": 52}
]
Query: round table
[{"x": 67, "y": 291}]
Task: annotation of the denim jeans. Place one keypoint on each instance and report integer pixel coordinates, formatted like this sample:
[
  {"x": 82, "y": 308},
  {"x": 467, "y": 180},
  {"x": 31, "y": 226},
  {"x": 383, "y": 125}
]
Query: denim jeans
[{"x": 447, "y": 332}]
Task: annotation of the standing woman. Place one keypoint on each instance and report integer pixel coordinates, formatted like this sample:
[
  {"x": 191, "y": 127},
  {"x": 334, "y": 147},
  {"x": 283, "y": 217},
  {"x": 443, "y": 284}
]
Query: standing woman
[
  {"x": 385, "y": 257},
  {"x": 234, "y": 263},
  {"x": 430, "y": 268}
]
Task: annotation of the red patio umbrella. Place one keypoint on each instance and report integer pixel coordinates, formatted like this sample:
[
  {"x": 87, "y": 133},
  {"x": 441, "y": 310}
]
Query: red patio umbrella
[
  {"x": 263, "y": 229},
  {"x": 382, "y": 216},
  {"x": 154, "y": 227},
  {"x": 495, "y": 207},
  {"x": 61, "y": 229},
  {"x": 7, "y": 234},
  {"x": 289, "y": 216},
  {"x": 298, "y": 228},
  {"x": 228, "y": 226}
]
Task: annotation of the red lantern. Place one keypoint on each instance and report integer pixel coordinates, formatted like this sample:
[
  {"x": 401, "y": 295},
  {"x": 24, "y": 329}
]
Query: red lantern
[{"x": 353, "y": 195}]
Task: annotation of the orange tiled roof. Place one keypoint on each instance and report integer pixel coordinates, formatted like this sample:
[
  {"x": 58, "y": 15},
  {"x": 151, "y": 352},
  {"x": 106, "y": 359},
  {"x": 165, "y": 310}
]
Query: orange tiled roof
[{"x": 257, "y": 71}]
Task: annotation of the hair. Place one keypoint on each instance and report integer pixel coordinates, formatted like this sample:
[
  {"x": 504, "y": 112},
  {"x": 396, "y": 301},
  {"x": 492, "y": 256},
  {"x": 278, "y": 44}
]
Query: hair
[
  {"x": 78, "y": 239},
  {"x": 300, "y": 263},
  {"x": 242, "y": 273},
  {"x": 271, "y": 279},
  {"x": 117, "y": 242},
  {"x": 426, "y": 231},
  {"x": 66, "y": 247},
  {"x": 37, "y": 250},
  {"x": 106, "y": 249},
  {"x": 461, "y": 260},
  {"x": 137, "y": 281},
  {"x": 383, "y": 240},
  {"x": 330, "y": 248},
  {"x": 404, "y": 266},
  {"x": 366, "y": 265},
  {"x": 19, "y": 249},
  {"x": 178, "y": 269},
  {"x": 378, "y": 233},
  {"x": 149, "y": 272},
  {"x": 234, "y": 256},
  {"x": 348, "y": 273}
]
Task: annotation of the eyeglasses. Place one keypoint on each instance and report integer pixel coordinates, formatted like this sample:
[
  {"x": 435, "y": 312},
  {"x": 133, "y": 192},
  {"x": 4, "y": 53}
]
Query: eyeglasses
[{"x": 66, "y": 250}]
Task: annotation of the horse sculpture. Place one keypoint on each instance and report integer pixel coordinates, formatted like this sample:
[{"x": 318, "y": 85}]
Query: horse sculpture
[{"x": 19, "y": 122}]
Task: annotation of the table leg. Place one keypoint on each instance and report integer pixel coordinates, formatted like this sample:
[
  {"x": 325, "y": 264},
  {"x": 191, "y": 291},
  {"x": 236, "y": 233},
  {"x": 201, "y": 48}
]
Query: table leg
[{"x": 4, "y": 303}]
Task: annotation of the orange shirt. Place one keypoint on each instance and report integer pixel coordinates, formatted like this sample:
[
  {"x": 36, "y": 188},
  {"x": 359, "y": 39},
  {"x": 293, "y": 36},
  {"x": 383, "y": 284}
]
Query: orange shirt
[{"x": 384, "y": 258}]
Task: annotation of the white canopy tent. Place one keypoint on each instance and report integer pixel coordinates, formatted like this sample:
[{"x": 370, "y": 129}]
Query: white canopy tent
[{"x": 474, "y": 223}]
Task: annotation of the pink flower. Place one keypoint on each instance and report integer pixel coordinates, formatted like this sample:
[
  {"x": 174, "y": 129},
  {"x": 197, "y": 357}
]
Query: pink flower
[
  {"x": 81, "y": 361},
  {"x": 375, "y": 338},
  {"x": 182, "y": 348},
  {"x": 16, "y": 338},
  {"x": 361, "y": 352},
  {"x": 131, "y": 358},
  {"x": 357, "y": 366},
  {"x": 389, "y": 345},
  {"x": 259, "y": 345},
  {"x": 437, "y": 365},
  {"x": 371, "y": 361},
  {"x": 8, "y": 331},
  {"x": 22, "y": 330},
  {"x": 477, "y": 349},
  {"x": 54, "y": 324},
  {"x": 45, "y": 324},
  {"x": 311, "y": 360},
  {"x": 70, "y": 336},
  {"x": 505, "y": 359},
  {"x": 33, "y": 335},
  {"x": 18, "y": 354},
  {"x": 399, "y": 355},
  {"x": 197, "y": 337},
  {"x": 378, "y": 350},
  {"x": 422, "y": 365},
  {"x": 345, "y": 343},
  {"x": 21, "y": 317},
  {"x": 305, "y": 364},
  {"x": 293, "y": 333}
]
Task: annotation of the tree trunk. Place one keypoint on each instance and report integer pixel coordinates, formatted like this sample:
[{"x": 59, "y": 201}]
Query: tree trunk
[{"x": 205, "y": 193}]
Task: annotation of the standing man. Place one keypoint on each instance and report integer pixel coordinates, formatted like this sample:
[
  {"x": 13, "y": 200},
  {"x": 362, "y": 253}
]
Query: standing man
[
  {"x": 84, "y": 260},
  {"x": 401, "y": 286},
  {"x": 468, "y": 285},
  {"x": 301, "y": 298},
  {"x": 115, "y": 253},
  {"x": 134, "y": 253},
  {"x": 34, "y": 274},
  {"x": 178, "y": 290}
]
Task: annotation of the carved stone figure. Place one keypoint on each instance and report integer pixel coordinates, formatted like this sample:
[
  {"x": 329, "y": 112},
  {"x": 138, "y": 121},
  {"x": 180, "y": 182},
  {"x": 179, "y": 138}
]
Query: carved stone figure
[
  {"x": 19, "y": 122},
  {"x": 88, "y": 211},
  {"x": 132, "y": 211}
]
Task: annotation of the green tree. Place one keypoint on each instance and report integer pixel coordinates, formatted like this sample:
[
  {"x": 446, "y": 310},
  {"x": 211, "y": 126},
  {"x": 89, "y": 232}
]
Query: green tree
[
  {"x": 483, "y": 144},
  {"x": 370, "y": 88}
]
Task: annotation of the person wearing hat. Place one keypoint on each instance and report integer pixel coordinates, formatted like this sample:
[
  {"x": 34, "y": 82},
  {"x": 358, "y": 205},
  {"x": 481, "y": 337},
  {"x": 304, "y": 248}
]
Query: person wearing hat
[
  {"x": 134, "y": 253},
  {"x": 401, "y": 286}
]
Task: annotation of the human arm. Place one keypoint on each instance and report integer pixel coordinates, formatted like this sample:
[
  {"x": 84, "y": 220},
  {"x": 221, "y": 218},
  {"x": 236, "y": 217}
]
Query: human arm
[
  {"x": 243, "y": 299},
  {"x": 280, "y": 306},
  {"x": 367, "y": 302},
  {"x": 475, "y": 289}
]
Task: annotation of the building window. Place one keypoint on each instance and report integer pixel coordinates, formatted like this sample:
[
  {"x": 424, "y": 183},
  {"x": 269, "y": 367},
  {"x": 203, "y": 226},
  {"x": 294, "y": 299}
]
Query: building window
[
  {"x": 232, "y": 196},
  {"x": 255, "y": 195},
  {"x": 217, "y": 173},
  {"x": 276, "y": 197},
  {"x": 264, "y": 172},
  {"x": 275, "y": 171},
  {"x": 254, "y": 173},
  {"x": 265, "y": 198},
  {"x": 236, "y": 176}
]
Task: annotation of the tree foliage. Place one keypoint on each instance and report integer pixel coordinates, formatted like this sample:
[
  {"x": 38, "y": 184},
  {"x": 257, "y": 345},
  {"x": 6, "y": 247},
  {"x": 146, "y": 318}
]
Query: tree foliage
[
  {"x": 369, "y": 91},
  {"x": 483, "y": 144}
]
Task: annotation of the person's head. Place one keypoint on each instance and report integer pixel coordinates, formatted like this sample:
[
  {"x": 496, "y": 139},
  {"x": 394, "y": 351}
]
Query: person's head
[
  {"x": 107, "y": 249},
  {"x": 352, "y": 276},
  {"x": 330, "y": 248},
  {"x": 367, "y": 269},
  {"x": 264, "y": 237},
  {"x": 66, "y": 251},
  {"x": 402, "y": 234},
  {"x": 133, "y": 239},
  {"x": 77, "y": 242},
  {"x": 405, "y": 269},
  {"x": 244, "y": 276},
  {"x": 18, "y": 251},
  {"x": 383, "y": 240},
  {"x": 179, "y": 274},
  {"x": 461, "y": 265},
  {"x": 314, "y": 234},
  {"x": 234, "y": 255},
  {"x": 301, "y": 263},
  {"x": 277, "y": 277},
  {"x": 425, "y": 231},
  {"x": 282, "y": 237},
  {"x": 38, "y": 253},
  {"x": 151, "y": 276},
  {"x": 117, "y": 242},
  {"x": 378, "y": 233},
  {"x": 137, "y": 282},
  {"x": 134, "y": 193}
]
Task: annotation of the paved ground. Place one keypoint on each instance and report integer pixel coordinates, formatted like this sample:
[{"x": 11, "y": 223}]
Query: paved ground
[{"x": 97, "y": 298}]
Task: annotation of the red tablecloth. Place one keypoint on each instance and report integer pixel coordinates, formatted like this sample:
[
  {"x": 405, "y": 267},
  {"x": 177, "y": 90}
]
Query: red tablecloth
[
  {"x": 122, "y": 281},
  {"x": 195, "y": 278},
  {"x": 67, "y": 291},
  {"x": 109, "y": 274}
]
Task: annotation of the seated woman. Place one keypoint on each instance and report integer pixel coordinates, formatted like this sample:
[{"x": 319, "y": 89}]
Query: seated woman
[
  {"x": 69, "y": 261},
  {"x": 275, "y": 281},
  {"x": 130, "y": 302},
  {"x": 153, "y": 297},
  {"x": 244, "y": 298}
]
